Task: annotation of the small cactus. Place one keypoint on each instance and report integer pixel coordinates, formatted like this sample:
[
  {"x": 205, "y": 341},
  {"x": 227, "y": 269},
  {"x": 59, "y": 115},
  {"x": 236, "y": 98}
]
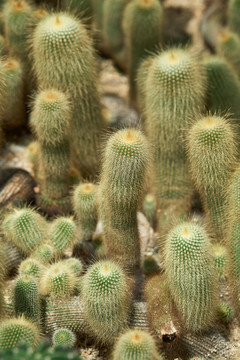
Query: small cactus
[
  {"x": 136, "y": 345},
  {"x": 85, "y": 209},
  {"x": 220, "y": 261},
  {"x": 58, "y": 280},
  {"x": 26, "y": 299},
  {"x": 63, "y": 53},
  {"x": 31, "y": 267},
  {"x": 62, "y": 233},
  {"x": 44, "y": 253},
  {"x": 75, "y": 265},
  {"x": 212, "y": 154},
  {"x": 25, "y": 228},
  {"x": 106, "y": 300},
  {"x": 191, "y": 275},
  {"x": 64, "y": 337},
  {"x": 149, "y": 208},
  {"x": 225, "y": 313},
  {"x": 17, "y": 330},
  {"x": 142, "y": 24}
]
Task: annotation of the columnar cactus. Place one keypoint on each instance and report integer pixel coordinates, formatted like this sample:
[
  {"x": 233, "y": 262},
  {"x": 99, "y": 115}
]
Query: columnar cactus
[
  {"x": 64, "y": 337},
  {"x": 191, "y": 275},
  {"x": 211, "y": 152},
  {"x": 223, "y": 88},
  {"x": 234, "y": 15},
  {"x": 85, "y": 209},
  {"x": 225, "y": 313},
  {"x": 141, "y": 79},
  {"x": 63, "y": 53},
  {"x": 106, "y": 300},
  {"x": 122, "y": 184},
  {"x": 17, "y": 330},
  {"x": 31, "y": 267},
  {"x": 112, "y": 24},
  {"x": 220, "y": 261},
  {"x": 136, "y": 345},
  {"x": 50, "y": 121},
  {"x": 233, "y": 239},
  {"x": 44, "y": 253},
  {"x": 62, "y": 233},
  {"x": 174, "y": 92},
  {"x": 26, "y": 299},
  {"x": 13, "y": 115},
  {"x": 142, "y": 24},
  {"x": 58, "y": 280},
  {"x": 149, "y": 208},
  {"x": 229, "y": 47},
  {"x": 25, "y": 228}
]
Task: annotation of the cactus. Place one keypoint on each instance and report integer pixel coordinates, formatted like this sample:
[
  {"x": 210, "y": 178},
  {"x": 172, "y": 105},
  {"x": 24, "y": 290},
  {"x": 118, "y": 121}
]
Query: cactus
[
  {"x": 12, "y": 256},
  {"x": 233, "y": 239},
  {"x": 85, "y": 209},
  {"x": 26, "y": 299},
  {"x": 159, "y": 308},
  {"x": 63, "y": 53},
  {"x": 234, "y": 16},
  {"x": 25, "y": 228},
  {"x": 82, "y": 8},
  {"x": 174, "y": 91},
  {"x": 106, "y": 300},
  {"x": 16, "y": 330},
  {"x": 62, "y": 233},
  {"x": 229, "y": 48},
  {"x": 225, "y": 313},
  {"x": 142, "y": 74},
  {"x": 211, "y": 152},
  {"x": 75, "y": 265},
  {"x": 189, "y": 265},
  {"x": 50, "y": 120},
  {"x": 58, "y": 280},
  {"x": 142, "y": 24},
  {"x": 97, "y": 7},
  {"x": 220, "y": 261},
  {"x": 136, "y": 345},
  {"x": 44, "y": 253},
  {"x": 64, "y": 337},
  {"x": 44, "y": 351},
  {"x": 31, "y": 267},
  {"x": 122, "y": 184},
  {"x": 65, "y": 313},
  {"x": 13, "y": 115},
  {"x": 112, "y": 24},
  {"x": 223, "y": 88},
  {"x": 149, "y": 208}
]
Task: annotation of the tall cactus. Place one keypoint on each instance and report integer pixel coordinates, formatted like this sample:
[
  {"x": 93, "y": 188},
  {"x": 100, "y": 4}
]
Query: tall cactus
[
  {"x": 191, "y": 275},
  {"x": 142, "y": 24},
  {"x": 122, "y": 183},
  {"x": 50, "y": 121},
  {"x": 63, "y": 53},
  {"x": 211, "y": 152}
]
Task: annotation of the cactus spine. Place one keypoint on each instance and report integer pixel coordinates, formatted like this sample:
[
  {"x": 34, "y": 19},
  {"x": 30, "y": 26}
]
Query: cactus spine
[
  {"x": 64, "y": 337},
  {"x": 26, "y": 299},
  {"x": 85, "y": 208},
  {"x": 191, "y": 275},
  {"x": 14, "y": 331},
  {"x": 122, "y": 184},
  {"x": 25, "y": 228},
  {"x": 142, "y": 24},
  {"x": 63, "y": 53},
  {"x": 106, "y": 300},
  {"x": 211, "y": 151},
  {"x": 136, "y": 345},
  {"x": 50, "y": 120},
  {"x": 174, "y": 91}
]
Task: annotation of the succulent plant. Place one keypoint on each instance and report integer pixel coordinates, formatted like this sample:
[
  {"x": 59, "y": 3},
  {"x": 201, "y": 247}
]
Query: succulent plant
[
  {"x": 106, "y": 300},
  {"x": 25, "y": 228},
  {"x": 62, "y": 233},
  {"x": 229, "y": 47},
  {"x": 64, "y": 337},
  {"x": 44, "y": 253},
  {"x": 221, "y": 261},
  {"x": 212, "y": 154},
  {"x": 26, "y": 299},
  {"x": 191, "y": 275},
  {"x": 75, "y": 265},
  {"x": 123, "y": 179},
  {"x": 63, "y": 53},
  {"x": 136, "y": 345},
  {"x": 149, "y": 208},
  {"x": 14, "y": 331},
  {"x": 85, "y": 208},
  {"x": 142, "y": 24},
  {"x": 31, "y": 267},
  {"x": 225, "y": 313}
]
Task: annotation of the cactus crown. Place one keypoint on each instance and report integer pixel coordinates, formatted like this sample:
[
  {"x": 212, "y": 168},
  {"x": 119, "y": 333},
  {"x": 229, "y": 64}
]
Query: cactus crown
[
  {"x": 64, "y": 337},
  {"x": 31, "y": 267},
  {"x": 135, "y": 344},
  {"x": 128, "y": 143},
  {"x": 44, "y": 253},
  {"x": 75, "y": 265}
]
